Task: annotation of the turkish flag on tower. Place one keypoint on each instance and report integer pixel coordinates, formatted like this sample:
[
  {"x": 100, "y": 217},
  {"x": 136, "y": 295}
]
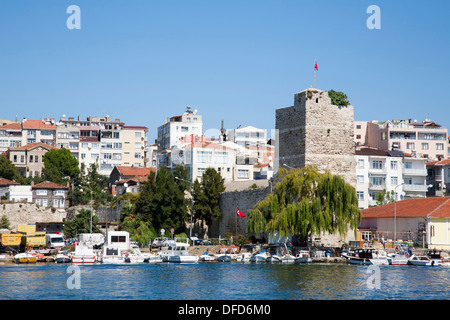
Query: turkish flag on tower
[
  {"x": 239, "y": 213},
  {"x": 315, "y": 65}
]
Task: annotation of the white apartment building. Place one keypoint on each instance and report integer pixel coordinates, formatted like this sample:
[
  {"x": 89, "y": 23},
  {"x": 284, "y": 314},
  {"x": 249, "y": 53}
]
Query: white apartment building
[
  {"x": 248, "y": 136},
  {"x": 388, "y": 171},
  {"x": 199, "y": 156},
  {"x": 438, "y": 178},
  {"x": 174, "y": 130},
  {"x": 424, "y": 139}
]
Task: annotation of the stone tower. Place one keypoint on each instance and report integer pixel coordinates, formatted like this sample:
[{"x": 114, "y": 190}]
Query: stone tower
[{"x": 315, "y": 132}]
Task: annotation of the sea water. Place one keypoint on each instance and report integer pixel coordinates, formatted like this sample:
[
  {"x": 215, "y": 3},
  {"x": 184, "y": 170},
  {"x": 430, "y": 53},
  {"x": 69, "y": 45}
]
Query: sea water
[{"x": 223, "y": 281}]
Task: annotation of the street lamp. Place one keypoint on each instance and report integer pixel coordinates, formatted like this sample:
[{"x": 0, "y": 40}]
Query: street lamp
[
  {"x": 192, "y": 203},
  {"x": 284, "y": 164},
  {"x": 395, "y": 210}
]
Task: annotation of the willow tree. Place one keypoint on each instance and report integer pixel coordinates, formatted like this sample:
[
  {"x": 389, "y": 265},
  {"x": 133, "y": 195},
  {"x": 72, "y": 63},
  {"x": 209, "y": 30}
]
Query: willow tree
[{"x": 306, "y": 202}]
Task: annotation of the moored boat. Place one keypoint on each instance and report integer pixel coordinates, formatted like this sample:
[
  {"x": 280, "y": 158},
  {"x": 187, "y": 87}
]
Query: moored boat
[
  {"x": 260, "y": 256},
  {"x": 379, "y": 258},
  {"x": 303, "y": 256},
  {"x": 288, "y": 258},
  {"x": 398, "y": 258},
  {"x": 360, "y": 256},
  {"x": 421, "y": 261},
  {"x": 207, "y": 257},
  {"x": 62, "y": 258},
  {"x": 25, "y": 257},
  {"x": 224, "y": 258},
  {"x": 177, "y": 252}
]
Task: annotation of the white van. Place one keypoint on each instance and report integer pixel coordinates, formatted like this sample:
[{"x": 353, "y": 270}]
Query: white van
[{"x": 54, "y": 241}]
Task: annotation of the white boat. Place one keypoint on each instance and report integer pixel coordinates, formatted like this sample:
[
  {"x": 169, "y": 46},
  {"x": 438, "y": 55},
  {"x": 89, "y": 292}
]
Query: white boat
[
  {"x": 274, "y": 258},
  {"x": 177, "y": 252},
  {"x": 207, "y": 257},
  {"x": 83, "y": 254},
  {"x": 259, "y": 257},
  {"x": 244, "y": 257},
  {"x": 421, "y": 261},
  {"x": 398, "y": 258},
  {"x": 134, "y": 255},
  {"x": 116, "y": 247},
  {"x": 25, "y": 257},
  {"x": 62, "y": 258},
  {"x": 445, "y": 262},
  {"x": 303, "y": 256},
  {"x": 288, "y": 258},
  {"x": 379, "y": 258},
  {"x": 435, "y": 256}
]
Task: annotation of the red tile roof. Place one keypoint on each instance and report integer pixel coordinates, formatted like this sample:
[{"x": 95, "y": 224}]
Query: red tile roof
[
  {"x": 421, "y": 207},
  {"x": 36, "y": 144},
  {"x": 12, "y": 126},
  {"x": 134, "y": 171},
  {"x": 138, "y": 179},
  {"x": 37, "y": 124},
  {"x": 49, "y": 185},
  {"x": 439, "y": 163},
  {"x": 6, "y": 182}
]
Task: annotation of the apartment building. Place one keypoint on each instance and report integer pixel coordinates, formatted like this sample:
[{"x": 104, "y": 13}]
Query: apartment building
[
  {"x": 201, "y": 155},
  {"x": 174, "y": 130},
  {"x": 134, "y": 143},
  {"x": 10, "y": 136},
  {"x": 438, "y": 178},
  {"x": 425, "y": 139},
  {"x": 380, "y": 171}
]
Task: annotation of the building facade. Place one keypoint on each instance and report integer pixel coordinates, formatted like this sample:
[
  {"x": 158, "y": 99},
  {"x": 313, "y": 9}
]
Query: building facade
[{"x": 29, "y": 159}]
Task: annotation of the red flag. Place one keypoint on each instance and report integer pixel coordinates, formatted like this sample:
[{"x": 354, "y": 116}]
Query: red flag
[
  {"x": 315, "y": 65},
  {"x": 239, "y": 213}
]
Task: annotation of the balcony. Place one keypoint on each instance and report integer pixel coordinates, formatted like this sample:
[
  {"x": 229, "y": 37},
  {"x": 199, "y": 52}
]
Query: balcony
[
  {"x": 415, "y": 188},
  {"x": 415, "y": 172},
  {"x": 378, "y": 187}
]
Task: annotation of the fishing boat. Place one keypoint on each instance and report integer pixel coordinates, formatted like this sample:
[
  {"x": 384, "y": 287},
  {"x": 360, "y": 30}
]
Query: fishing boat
[
  {"x": 435, "y": 256},
  {"x": 134, "y": 255},
  {"x": 260, "y": 256},
  {"x": 25, "y": 257},
  {"x": 177, "y": 252},
  {"x": 303, "y": 256},
  {"x": 83, "y": 254},
  {"x": 445, "y": 261}
]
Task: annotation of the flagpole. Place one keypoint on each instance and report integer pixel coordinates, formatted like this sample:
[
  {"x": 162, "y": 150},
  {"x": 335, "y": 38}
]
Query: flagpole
[
  {"x": 315, "y": 63},
  {"x": 236, "y": 220}
]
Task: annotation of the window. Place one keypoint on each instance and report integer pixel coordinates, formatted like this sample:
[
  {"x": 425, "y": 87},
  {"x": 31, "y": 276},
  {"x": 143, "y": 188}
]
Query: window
[
  {"x": 38, "y": 201},
  {"x": 376, "y": 181},
  {"x": 122, "y": 239},
  {"x": 41, "y": 192},
  {"x": 31, "y": 158},
  {"x": 360, "y": 164},
  {"x": 410, "y": 145},
  {"x": 439, "y": 146},
  {"x": 408, "y": 165},
  {"x": 55, "y": 203},
  {"x": 424, "y": 145},
  {"x": 44, "y": 202},
  {"x": 221, "y": 157},
  {"x": 22, "y": 159},
  {"x": 137, "y": 145},
  {"x": 137, "y": 134},
  {"x": 61, "y": 203},
  {"x": 137, "y": 155},
  {"x": 360, "y": 179},
  {"x": 360, "y": 195},
  {"x": 358, "y": 136},
  {"x": 394, "y": 181},
  {"x": 377, "y": 164},
  {"x": 394, "y": 165},
  {"x": 242, "y": 173},
  {"x": 358, "y": 126},
  {"x": 36, "y": 159},
  {"x": 58, "y": 192},
  {"x": 200, "y": 171},
  {"x": 204, "y": 156},
  {"x": 184, "y": 129}
]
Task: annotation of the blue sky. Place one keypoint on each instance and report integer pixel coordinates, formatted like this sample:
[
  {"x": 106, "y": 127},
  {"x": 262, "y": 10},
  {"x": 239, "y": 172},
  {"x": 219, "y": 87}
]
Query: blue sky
[{"x": 236, "y": 61}]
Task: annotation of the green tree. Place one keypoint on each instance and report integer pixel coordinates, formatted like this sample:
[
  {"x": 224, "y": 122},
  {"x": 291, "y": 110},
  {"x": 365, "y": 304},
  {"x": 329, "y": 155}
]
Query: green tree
[
  {"x": 206, "y": 196},
  {"x": 338, "y": 98},
  {"x": 4, "y": 222},
  {"x": 60, "y": 166},
  {"x": 162, "y": 201},
  {"x": 7, "y": 169},
  {"x": 385, "y": 197},
  {"x": 81, "y": 224},
  {"x": 306, "y": 202}
]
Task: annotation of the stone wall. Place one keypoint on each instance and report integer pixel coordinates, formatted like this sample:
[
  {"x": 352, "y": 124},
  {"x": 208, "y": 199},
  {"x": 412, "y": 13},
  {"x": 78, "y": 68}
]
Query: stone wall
[
  {"x": 243, "y": 200},
  {"x": 26, "y": 213},
  {"x": 315, "y": 132}
]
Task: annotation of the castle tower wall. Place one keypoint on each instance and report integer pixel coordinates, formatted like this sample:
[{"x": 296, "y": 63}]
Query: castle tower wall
[{"x": 315, "y": 132}]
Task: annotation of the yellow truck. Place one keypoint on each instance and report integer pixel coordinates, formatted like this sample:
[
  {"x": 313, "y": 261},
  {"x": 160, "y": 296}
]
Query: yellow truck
[
  {"x": 10, "y": 241},
  {"x": 33, "y": 239}
]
